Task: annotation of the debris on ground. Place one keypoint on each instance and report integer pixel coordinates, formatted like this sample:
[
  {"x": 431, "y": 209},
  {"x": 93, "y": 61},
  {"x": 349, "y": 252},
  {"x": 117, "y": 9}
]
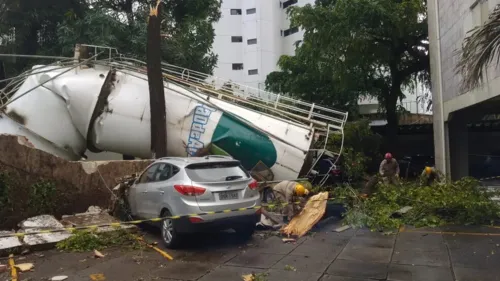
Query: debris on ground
[
  {"x": 288, "y": 240},
  {"x": 59, "y": 278},
  {"x": 84, "y": 241},
  {"x": 9, "y": 243},
  {"x": 94, "y": 210},
  {"x": 41, "y": 223},
  {"x": 255, "y": 277},
  {"x": 93, "y": 218},
  {"x": 248, "y": 277},
  {"x": 311, "y": 214},
  {"x": 24, "y": 266},
  {"x": 98, "y": 254},
  {"x": 290, "y": 268},
  {"x": 342, "y": 228},
  {"x": 403, "y": 210}
]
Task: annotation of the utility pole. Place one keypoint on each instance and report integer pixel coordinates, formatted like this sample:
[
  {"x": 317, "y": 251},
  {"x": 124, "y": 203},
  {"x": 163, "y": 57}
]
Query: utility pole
[{"x": 155, "y": 81}]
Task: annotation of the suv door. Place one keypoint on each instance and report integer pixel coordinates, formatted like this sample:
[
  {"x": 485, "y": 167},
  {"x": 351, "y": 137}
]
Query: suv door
[
  {"x": 156, "y": 190},
  {"x": 137, "y": 193}
]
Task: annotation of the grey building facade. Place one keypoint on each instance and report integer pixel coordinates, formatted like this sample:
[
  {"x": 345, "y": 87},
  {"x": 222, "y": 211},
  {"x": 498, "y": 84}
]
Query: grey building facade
[{"x": 449, "y": 22}]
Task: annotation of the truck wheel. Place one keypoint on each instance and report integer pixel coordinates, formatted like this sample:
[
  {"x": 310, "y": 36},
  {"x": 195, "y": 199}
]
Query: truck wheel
[
  {"x": 245, "y": 231},
  {"x": 169, "y": 235}
]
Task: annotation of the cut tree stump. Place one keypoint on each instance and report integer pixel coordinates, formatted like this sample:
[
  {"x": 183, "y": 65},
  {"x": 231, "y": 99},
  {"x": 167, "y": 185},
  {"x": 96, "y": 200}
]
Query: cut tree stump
[{"x": 311, "y": 214}]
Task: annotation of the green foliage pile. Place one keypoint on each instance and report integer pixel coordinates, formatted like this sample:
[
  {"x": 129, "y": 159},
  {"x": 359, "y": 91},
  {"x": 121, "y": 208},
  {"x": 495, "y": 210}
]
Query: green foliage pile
[
  {"x": 460, "y": 202},
  {"x": 84, "y": 241},
  {"x": 361, "y": 148}
]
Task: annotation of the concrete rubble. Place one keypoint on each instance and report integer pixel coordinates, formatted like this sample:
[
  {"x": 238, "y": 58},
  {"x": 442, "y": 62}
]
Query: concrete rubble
[
  {"x": 9, "y": 243},
  {"x": 40, "y": 223},
  {"x": 94, "y": 216}
]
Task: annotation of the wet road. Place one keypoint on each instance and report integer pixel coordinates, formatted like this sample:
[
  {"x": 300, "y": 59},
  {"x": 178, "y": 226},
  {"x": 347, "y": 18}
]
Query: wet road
[{"x": 464, "y": 254}]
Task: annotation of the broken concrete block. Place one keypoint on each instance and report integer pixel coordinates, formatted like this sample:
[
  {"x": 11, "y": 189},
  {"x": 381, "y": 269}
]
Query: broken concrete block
[
  {"x": 3, "y": 268},
  {"x": 43, "y": 221},
  {"x": 79, "y": 220},
  {"x": 45, "y": 238},
  {"x": 40, "y": 223},
  {"x": 94, "y": 210},
  {"x": 7, "y": 243}
]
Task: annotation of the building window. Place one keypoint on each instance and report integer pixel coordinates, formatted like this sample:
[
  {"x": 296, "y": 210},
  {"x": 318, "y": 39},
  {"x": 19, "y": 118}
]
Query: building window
[
  {"x": 291, "y": 31},
  {"x": 253, "y": 71},
  {"x": 251, "y": 11},
  {"x": 288, "y": 3},
  {"x": 235, "y": 12},
  {"x": 252, "y": 41},
  {"x": 237, "y": 66},
  {"x": 236, "y": 39}
]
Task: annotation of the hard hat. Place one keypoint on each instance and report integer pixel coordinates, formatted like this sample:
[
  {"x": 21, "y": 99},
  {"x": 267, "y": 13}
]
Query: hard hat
[
  {"x": 388, "y": 155},
  {"x": 428, "y": 170},
  {"x": 300, "y": 190}
]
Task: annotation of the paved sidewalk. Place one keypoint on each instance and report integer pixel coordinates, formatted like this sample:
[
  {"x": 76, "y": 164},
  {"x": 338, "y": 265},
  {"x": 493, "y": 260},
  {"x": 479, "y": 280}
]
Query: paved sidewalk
[{"x": 458, "y": 253}]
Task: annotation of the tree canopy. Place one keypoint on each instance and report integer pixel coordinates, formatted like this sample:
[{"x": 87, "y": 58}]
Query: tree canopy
[
  {"x": 480, "y": 48},
  {"x": 353, "y": 49},
  {"x": 53, "y": 27}
]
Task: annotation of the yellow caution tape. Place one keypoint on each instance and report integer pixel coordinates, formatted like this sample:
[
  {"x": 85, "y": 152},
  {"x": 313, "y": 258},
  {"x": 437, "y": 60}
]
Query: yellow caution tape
[{"x": 134, "y": 222}]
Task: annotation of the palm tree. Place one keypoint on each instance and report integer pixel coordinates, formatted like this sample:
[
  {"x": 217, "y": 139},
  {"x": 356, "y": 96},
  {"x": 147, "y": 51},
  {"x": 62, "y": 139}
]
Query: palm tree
[{"x": 480, "y": 47}]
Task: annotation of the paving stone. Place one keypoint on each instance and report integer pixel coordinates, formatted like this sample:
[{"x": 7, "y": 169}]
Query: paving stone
[
  {"x": 421, "y": 249},
  {"x": 419, "y": 273},
  {"x": 275, "y": 245},
  {"x": 281, "y": 275},
  {"x": 304, "y": 264},
  {"x": 342, "y": 278},
  {"x": 318, "y": 250},
  {"x": 123, "y": 268},
  {"x": 214, "y": 257},
  {"x": 368, "y": 250},
  {"x": 179, "y": 270},
  {"x": 474, "y": 274},
  {"x": 229, "y": 273},
  {"x": 367, "y": 233},
  {"x": 473, "y": 251},
  {"x": 358, "y": 269},
  {"x": 327, "y": 238},
  {"x": 254, "y": 259}
]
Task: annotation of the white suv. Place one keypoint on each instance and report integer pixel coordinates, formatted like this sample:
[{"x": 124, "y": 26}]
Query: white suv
[{"x": 196, "y": 186}]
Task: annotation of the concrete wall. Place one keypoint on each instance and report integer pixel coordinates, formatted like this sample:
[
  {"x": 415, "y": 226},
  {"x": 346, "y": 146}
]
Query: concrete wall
[
  {"x": 449, "y": 22},
  {"x": 78, "y": 184}
]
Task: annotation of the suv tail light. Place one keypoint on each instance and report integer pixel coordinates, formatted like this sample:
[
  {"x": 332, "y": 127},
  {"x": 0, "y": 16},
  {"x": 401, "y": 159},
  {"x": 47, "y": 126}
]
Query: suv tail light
[
  {"x": 189, "y": 190},
  {"x": 253, "y": 185}
]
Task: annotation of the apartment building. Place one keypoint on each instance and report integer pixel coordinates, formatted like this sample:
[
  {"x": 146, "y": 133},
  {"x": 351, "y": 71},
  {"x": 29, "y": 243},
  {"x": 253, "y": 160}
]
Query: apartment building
[{"x": 253, "y": 34}]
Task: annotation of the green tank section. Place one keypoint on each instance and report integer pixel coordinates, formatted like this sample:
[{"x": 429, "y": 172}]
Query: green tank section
[{"x": 243, "y": 142}]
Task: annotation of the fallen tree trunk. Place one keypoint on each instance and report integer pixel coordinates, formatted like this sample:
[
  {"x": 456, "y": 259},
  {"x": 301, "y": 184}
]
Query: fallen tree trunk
[{"x": 311, "y": 214}]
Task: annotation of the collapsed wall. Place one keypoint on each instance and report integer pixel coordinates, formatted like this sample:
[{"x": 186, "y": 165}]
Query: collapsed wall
[{"x": 33, "y": 182}]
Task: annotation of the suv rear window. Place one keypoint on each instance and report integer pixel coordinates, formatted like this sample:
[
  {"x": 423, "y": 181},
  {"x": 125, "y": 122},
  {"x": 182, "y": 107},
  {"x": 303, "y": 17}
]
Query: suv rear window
[{"x": 216, "y": 172}]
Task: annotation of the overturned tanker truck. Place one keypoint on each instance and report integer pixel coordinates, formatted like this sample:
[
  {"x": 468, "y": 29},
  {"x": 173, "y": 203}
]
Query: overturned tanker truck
[{"x": 74, "y": 105}]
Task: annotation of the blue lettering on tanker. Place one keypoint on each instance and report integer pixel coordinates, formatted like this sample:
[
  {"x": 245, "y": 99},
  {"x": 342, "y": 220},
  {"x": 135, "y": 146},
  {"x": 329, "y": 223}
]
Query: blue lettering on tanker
[{"x": 201, "y": 116}]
